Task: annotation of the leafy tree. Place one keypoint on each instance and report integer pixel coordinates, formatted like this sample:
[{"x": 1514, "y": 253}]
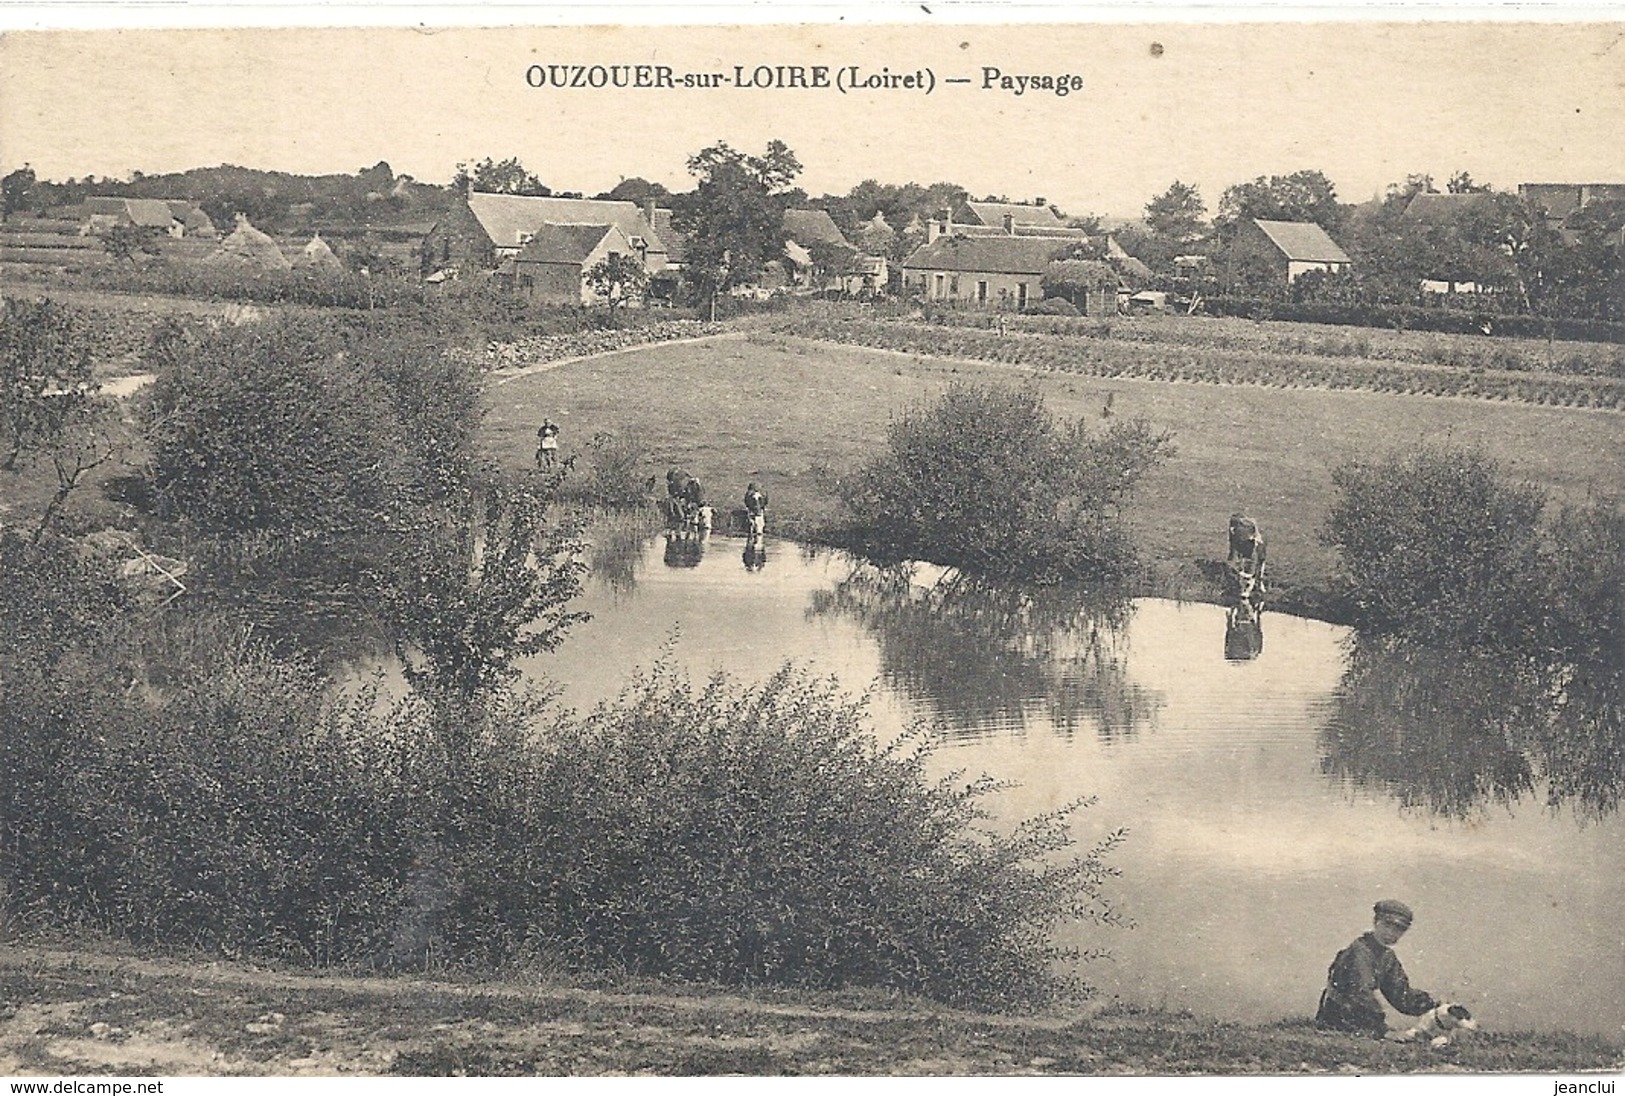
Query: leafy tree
[
  {"x": 46, "y": 382},
  {"x": 128, "y": 241},
  {"x": 1462, "y": 183},
  {"x": 280, "y": 429},
  {"x": 499, "y": 177},
  {"x": 1074, "y": 278},
  {"x": 636, "y": 189},
  {"x": 831, "y": 259},
  {"x": 1177, "y": 214},
  {"x": 1301, "y": 196},
  {"x": 617, "y": 279},
  {"x": 987, "y": 480},
  {"x": 1437, "y": 546},
  {"x": 16, "y": 190},
  {"x": 485, "y": 581},
  {"x": 735, "y": 218}
]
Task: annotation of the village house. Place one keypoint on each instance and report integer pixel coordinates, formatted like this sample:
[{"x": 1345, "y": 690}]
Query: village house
[
  {"x": 1561, "y": 201},
  {"x": 993, "y": 271},
  {"x": 172, "y": 217},
  {"x": 482, "y": 231},
  {"x": 1282, "y": 252},
  {"x": 552, "y": 265}
]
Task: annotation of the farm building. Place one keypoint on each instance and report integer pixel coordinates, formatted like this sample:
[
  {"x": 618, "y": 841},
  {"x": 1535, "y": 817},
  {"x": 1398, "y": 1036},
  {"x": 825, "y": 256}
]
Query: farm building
[
  {"x": 1280, "y": 252},
  {"x": 172, "y": 217},
  {"x": 552, "y": 265},
  {"x": 997, "y": 271},
  {"x": 1006, "y": 215},
  {"x": 483, "y": 230}
]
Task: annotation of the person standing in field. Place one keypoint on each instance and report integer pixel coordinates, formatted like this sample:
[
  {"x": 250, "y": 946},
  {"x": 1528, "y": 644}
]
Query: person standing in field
[{"x": 547, "y": 444}]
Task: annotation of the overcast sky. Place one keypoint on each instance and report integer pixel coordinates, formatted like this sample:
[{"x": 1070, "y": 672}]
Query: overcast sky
[{"x": 1364, "y": 102}]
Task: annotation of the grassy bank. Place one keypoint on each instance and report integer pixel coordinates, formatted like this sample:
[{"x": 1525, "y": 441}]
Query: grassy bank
[
  {"x": 789, "y": 412},
  {"x": 114, "y": 1013}
]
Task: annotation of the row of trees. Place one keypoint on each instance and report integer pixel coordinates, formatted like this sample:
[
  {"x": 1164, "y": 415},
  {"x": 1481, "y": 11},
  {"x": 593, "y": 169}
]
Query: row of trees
[{"x": 1499, "y": 243}]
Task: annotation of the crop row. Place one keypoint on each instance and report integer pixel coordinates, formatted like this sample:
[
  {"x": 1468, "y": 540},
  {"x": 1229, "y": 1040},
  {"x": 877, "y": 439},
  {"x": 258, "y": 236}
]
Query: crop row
[
  {"x": 1414, "y": 347},
  {"x": 1101, "y": 358},
  {"x": 536, "y": 349}
]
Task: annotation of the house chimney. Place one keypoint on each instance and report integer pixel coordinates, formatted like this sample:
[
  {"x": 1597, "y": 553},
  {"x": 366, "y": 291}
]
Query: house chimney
[
  {"x": 933, "y": 229},
  {"x": 1039, "y": 202},
  {"x": 649, "y": 210},
  {"x": 1009, "y": 224}
]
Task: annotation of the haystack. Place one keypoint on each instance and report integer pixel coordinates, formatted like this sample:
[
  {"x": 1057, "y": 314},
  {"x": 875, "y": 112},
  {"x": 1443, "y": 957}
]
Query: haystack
[
  {"x": 248, "y": 246},
  {"x": 317, "y": 255}
]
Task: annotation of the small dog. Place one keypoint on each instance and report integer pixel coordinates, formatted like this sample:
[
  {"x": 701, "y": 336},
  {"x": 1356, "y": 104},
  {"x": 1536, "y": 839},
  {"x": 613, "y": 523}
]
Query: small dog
[{"x": 1440, "y": 1026}]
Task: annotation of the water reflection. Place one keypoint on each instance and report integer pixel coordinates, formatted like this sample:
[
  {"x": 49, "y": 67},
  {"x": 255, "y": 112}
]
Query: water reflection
[
  {"x": 616, "y": 541},
  {"x": 1243, "y": 633},
  {"x": 684, "y": 549},
  {"x": 754, "y": 556},
  {"x": 1453, "y": 733},
  {"x": 981, "y": 657}
]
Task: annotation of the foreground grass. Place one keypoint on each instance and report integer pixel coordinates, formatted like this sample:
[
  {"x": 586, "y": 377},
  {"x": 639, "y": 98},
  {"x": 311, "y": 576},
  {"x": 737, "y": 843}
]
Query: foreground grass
[
  {"x": 105, "y": 1012},
  {"x": 789, "y": 412}
]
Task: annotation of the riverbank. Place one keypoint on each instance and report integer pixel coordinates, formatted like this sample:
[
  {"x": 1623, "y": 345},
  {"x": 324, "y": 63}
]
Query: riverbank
[
  {"x": 113, "y": 1012},
  {"x": 792, "y": 414}
]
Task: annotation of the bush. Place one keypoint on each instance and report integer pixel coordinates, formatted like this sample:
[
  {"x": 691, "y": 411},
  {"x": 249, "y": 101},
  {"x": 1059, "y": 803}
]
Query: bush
[
  {"x": 988, "y": 481},
  {"x": 1437, "y": 547},
  {"x": 306, "y": 429},
  {"x": 1053, "y": 306},
  {"x": 734, "y": 834},
  {"x": 610, "y": 473},
  {"x": 759, "y": 834}
]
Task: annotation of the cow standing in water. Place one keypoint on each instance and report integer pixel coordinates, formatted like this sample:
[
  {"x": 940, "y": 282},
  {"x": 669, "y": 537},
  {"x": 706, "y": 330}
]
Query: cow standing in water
[
  {"x": 1244, "y": 632},
  {"x": 1246, "y": 556}
]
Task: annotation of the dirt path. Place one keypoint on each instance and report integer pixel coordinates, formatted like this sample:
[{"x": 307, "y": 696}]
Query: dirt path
[{"x": 68, "y": 1012}]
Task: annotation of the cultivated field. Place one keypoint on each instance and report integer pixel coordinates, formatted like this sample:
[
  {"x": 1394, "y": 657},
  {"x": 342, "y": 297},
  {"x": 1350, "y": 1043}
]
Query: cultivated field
[{"x": 787, "y": 411}]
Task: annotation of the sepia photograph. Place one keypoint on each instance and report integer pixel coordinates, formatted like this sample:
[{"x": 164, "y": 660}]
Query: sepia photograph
[{"x": 948, "y": 545}]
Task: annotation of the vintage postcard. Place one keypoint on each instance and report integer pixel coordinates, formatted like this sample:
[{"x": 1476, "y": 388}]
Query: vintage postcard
[{"x": 993, "y": 546}]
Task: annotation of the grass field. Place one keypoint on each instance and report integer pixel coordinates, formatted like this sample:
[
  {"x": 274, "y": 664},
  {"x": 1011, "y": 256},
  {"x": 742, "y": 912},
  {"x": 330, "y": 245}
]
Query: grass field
[{"x": 778, "y": 409}]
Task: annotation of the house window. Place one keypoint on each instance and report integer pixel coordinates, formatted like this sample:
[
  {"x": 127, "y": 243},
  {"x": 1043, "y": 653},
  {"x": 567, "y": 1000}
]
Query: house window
[
  {"x": 941, "y": 280},
  {"x": 1021, "y": 294},
  {"x": 981, "y": 292},
  {"x": 953, "y": 285},
  {"x": 527, "y": 282}
]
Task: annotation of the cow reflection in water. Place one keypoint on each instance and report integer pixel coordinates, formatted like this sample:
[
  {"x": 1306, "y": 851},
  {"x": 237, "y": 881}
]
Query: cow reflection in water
[
  {"x": 684, "y": 549},
  {"x": 755, "y": 554},
  {"x": 1243, "y": 633}
]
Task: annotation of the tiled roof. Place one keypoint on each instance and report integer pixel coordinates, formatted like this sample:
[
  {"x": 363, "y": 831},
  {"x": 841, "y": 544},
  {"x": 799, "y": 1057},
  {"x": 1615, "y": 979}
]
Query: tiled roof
[
  {"x": 1303, "y": 241},
  {"x": 1433, "y": 208},
  {"x": 999, "y": 254},
  {"x": 569, "y": 244},
  {"x": 505, "y": 216},
  {"x": 1055, "y": 230},
  {"x": 809, "y": 226},
  {"x": 676, "y": 243},
  {"x": 994, "y": 213}
]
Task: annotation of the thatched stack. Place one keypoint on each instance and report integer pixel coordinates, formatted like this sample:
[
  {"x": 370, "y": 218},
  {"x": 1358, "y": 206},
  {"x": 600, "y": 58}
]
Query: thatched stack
[
  {"x": 247, "y": 246},
  {"x": 317, "y": 255}
]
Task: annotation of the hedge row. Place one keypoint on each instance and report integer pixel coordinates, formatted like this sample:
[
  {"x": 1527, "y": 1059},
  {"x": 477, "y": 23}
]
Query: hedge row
[
  {"x": 536, "y": 349},
  {"x": 1102, "y": 358},
  {"x": 1413, "y": 318},
  {"x": 1468, "y": 351}
]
